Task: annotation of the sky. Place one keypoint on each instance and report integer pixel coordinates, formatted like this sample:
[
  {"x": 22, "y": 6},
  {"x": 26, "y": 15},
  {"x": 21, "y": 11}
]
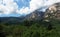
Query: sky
[{"x": 23, "y": 7}]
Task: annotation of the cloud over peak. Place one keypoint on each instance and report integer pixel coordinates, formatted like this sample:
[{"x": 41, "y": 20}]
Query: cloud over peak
[
  {"x": 9, "y": 6},
  {"x": 35, "y": 4}
]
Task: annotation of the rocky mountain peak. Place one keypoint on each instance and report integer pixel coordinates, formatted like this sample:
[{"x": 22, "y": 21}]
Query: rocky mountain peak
[
  {"x": 53, "y": 11},
  {"x": 36, "y": 15}
]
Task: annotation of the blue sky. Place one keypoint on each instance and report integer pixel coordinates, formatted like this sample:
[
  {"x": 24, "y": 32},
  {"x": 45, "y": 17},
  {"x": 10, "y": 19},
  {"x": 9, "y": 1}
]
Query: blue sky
[
  {"x": 23, "y": 7},
  {"x": 22, "y": 3}
]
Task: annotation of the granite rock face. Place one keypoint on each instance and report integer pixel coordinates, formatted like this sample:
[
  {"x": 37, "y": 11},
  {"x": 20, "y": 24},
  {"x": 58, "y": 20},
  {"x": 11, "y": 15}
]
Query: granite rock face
[
  {"x": 36, "y": 15},
  {"x": 53, "y": 11}
]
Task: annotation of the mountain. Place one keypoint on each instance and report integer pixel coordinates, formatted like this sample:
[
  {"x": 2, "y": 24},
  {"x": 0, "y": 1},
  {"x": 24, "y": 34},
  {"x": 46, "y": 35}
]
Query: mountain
[
  {"x": 11, "y": 20},
  {"x": 36, "y": 15},
  {"x": 53, "y": 11}
]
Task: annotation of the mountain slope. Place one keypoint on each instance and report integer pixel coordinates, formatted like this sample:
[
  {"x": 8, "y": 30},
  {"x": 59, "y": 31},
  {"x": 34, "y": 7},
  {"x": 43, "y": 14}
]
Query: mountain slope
[
  {"x": 53, "y": 11},
  {"x": 11, "y": 20},
  {"x": 36, "y": 15}
]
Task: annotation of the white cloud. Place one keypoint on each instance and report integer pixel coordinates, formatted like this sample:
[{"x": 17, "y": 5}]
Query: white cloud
[
  {"x": 9, "y": 6},
  {"x": 50, "y": 2},
  {"x": 35, "y": 4},
  {"x": 23, "y": 10}
]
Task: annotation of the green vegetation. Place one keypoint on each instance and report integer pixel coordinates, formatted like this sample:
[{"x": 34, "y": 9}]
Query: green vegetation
[{"x": 31, "y": 29}]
